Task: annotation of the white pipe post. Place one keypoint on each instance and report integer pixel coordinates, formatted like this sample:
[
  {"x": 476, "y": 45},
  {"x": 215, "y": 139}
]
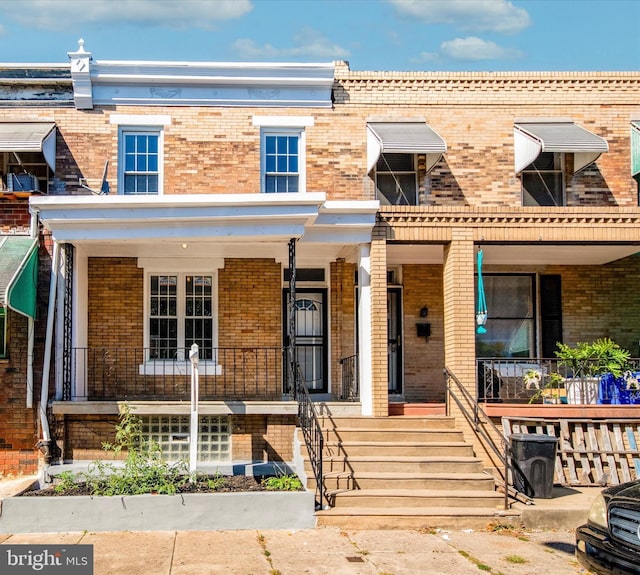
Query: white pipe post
[
  {"x": 30, "y": 345},
  {"x": 193, "y": 435}
]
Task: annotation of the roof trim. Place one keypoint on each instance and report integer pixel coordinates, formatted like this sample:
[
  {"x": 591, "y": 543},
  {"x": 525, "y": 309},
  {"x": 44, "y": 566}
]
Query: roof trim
[
  {"x": 533, "y": 138},
  {"x": 403, "y": 137}
]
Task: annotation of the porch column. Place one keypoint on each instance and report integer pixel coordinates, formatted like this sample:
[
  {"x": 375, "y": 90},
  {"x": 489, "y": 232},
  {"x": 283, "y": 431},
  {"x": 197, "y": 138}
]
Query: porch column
[
  {"x": 80, "y": 324},
  {"x": 459, "y": 315},
  {"x": 372, "y": 278}
]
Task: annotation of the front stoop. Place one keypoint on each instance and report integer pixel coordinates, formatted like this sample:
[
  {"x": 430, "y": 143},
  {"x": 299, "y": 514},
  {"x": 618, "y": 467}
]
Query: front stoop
[{"x": 406, "y": 472}]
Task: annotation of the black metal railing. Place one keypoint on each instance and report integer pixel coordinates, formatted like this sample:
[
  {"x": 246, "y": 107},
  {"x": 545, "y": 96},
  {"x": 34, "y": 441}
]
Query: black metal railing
[
  {"x": 349, "y": 384},
  {"x": 312, "y": 432},
  {"x": 486, "y": 431},
  {"x": 140, "y": 373},
  {"x": 549, "y": 380}
]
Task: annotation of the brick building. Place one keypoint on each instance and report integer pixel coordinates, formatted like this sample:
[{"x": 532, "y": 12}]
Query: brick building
[{"x": 183, "y": 197}]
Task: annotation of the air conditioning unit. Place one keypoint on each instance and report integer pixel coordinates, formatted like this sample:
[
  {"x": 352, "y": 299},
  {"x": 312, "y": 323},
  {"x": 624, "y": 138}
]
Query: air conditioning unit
[{"x": 22, "y": 183}]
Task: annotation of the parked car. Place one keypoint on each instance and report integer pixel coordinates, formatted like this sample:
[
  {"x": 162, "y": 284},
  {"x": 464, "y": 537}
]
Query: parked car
[{"x": 609, "y": 543}]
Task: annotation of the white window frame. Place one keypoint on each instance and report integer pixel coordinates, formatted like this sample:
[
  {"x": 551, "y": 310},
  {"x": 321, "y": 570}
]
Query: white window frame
[
  {"x": 286, "y": 126},
  {"x": 126, "y": 130},
  {"x": 181, "y": 365}
]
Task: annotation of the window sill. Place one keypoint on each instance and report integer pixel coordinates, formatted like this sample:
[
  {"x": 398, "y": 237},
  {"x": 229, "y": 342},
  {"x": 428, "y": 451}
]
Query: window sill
[{"x": 170, "y": 367}]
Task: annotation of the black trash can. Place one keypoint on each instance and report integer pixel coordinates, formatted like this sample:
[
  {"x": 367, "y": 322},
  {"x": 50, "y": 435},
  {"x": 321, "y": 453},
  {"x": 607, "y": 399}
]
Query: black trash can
[{"x": 533, "y": 459}]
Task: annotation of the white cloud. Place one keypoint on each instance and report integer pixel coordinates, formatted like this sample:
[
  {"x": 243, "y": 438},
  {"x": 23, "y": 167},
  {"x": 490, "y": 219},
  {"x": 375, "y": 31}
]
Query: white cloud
[
  {"x": 308, "y": 44},
  {"x": 479, "y": 15},
  {"x": 52, "y": 14},
  {"x": 474, "y": 49}
]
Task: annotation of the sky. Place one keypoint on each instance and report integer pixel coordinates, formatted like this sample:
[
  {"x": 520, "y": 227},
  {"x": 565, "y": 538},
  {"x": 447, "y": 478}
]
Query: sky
[{"x": 394, "y": 35}]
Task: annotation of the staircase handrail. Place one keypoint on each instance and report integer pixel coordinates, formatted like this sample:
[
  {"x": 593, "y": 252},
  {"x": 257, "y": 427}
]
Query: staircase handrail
[
  {"x": 312, "y": 432},
  {"x": 478, "y": 418}
]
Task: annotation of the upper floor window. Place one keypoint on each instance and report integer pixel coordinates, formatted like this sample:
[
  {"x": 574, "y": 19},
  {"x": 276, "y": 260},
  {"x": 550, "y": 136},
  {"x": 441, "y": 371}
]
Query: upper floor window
[
  {"x": 397, "y": 179},
  {"x": 543, "y": 181},
  {"x": 282, "y": 153},
  {"x": 282, "y": 159},
  {"x": 140, "y": 155}
]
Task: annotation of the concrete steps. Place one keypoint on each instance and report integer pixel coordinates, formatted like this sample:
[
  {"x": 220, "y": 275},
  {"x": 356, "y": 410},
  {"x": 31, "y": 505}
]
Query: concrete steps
[{"x": 402, "y": 472}]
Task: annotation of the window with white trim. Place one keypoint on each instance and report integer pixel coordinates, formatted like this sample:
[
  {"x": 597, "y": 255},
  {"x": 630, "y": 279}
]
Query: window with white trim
[
  {"x": 140, "y": 161},
  {"x": 543, "y": 181},
  {"x": 282, "y": 160},
  {"x": 180, "y": 312}
]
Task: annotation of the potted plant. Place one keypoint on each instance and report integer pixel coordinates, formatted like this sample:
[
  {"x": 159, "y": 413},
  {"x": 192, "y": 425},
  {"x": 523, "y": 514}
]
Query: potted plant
[{"x": 585, "y": 363}]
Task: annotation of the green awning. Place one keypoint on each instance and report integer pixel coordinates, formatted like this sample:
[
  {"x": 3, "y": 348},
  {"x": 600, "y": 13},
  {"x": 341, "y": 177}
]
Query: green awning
[
  {"x": 19, "y": 273},
  {"x": 635, "y": 149}
]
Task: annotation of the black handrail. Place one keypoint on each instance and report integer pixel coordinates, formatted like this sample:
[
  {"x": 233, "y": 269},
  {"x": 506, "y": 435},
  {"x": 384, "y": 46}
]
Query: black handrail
[
  {"x": 477, "y": 417},
  {"x": 312, "y": 432}
]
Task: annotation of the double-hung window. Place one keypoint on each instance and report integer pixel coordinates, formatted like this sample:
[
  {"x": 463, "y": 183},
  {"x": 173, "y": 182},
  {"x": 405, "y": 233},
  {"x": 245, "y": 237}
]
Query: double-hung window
[
  {"x": 282, "y": 153},
  {"x": 281, "y": 162},
  {"x": 181, "y": 310},
  {"x": 140, "y": 155}
]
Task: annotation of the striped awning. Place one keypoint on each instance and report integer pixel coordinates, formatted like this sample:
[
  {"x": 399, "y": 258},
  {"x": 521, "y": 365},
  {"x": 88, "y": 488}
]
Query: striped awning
[
  {"x": 403, "y": 138},
  {"x": 30, "y": 137},
  {"x": 635, "y": 149},
  {"x": 19, "y": 273},
  {"x": 533, "y": 138}
]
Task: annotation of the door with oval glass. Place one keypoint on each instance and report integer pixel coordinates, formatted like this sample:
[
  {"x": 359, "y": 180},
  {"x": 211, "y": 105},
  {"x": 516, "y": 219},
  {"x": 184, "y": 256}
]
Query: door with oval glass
[{"x": 311, "y": 336}]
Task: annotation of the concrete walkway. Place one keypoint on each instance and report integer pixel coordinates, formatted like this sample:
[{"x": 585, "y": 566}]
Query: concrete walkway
[{"x": 322, "y": 551}]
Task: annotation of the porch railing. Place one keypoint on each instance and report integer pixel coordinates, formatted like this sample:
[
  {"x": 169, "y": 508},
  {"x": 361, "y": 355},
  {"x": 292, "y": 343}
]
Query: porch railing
[
  {"x": 349, "y": 385},
  {"x": 141, "y": 373},
  {"x": 547, "y": 380},
  {"x": 487, "y": 432},
  {"x": 309, "y": 422}
]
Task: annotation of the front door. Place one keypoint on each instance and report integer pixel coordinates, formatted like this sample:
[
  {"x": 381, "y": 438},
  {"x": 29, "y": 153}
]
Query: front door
[
  {"x": 394, "y": 345},
  {"x": 311, "y": 336}
]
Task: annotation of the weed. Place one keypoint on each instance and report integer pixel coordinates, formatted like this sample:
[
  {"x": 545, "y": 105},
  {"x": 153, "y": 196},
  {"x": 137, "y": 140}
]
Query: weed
[
  {"x": 515, "y": 559},
  {"x": 476, "y": 562},
  {"x": 283, "y": 483},
  {"x": 65, "y": 482},
  {"x": 216, "y": 482}
]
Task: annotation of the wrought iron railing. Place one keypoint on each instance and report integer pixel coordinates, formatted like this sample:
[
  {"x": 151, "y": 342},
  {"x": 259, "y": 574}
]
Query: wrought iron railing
[
  {"x": 313, "y": 435},
  {"x": 138, "y": 373},
  {"x": 486, "y": 431},
  {"x": 546, "y": 380},
  {"x": 349, "y": 384}
]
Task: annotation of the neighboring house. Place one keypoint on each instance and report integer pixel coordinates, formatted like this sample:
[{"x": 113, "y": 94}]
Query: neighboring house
[{"x": 184, "y": 196}]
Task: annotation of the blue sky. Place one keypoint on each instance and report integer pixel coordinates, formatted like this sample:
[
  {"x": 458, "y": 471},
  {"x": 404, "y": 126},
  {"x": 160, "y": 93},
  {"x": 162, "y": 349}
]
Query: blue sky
[{"x": 397, "y": 35}]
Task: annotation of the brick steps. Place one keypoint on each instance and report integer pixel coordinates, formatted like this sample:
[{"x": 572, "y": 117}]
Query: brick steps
[{"x": 402, "y": 472}]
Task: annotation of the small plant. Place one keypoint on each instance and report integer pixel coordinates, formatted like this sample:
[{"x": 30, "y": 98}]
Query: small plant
[
  {"x": 65, "y": 482},
  {"x": 515, "y": 559},
  {"x": 216, "y": 482},
  {"x": 283, "y": 483},
  {"x": 596, "y": 358}
]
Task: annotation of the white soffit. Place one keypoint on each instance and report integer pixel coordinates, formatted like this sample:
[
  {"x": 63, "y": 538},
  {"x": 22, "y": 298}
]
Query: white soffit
[
  {"x": 403, "y": 138},
  {"x": 533, "y": 138},
  {"x": 567, "y": 255}
]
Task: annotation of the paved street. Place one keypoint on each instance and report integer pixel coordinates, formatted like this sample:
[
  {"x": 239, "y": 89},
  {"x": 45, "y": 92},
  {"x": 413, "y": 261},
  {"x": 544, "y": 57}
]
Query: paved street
[{"x": 324, "y": 551}]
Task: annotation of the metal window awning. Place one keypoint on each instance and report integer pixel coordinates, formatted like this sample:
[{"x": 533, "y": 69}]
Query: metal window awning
[
  {"x": 533, "y": 138},
  {"x": 30, "y": 137},
  {"x": 403, "y": 138},
  {"x": 635, "y": 149},
  {"x": 19, "y": 274}
]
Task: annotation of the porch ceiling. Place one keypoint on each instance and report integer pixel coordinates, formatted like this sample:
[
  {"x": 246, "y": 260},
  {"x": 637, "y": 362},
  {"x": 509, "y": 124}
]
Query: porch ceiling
[{"x": 516, "y": 255}]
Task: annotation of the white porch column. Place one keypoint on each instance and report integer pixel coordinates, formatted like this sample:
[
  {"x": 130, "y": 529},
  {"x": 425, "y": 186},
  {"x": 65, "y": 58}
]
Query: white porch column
[
  {"x": 365, "y": 372},
  {"x": 80, "y": 323}
]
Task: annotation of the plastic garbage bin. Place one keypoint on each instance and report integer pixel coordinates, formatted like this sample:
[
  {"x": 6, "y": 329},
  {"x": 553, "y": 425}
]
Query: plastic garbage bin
[{"x": 533, "y": 459}]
